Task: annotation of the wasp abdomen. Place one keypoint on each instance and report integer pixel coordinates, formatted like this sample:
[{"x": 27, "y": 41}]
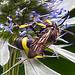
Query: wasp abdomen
[
  {"x": 18, "y": 43},
  {"x": 23, "y": 43}
]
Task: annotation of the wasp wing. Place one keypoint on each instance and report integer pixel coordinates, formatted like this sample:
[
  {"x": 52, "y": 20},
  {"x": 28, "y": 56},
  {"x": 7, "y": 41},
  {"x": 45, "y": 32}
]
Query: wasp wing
[{"x": 39, "y": 43}]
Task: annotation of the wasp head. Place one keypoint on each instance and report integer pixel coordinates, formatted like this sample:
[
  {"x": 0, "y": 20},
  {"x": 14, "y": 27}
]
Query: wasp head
[{"x": 55, "y": 32}]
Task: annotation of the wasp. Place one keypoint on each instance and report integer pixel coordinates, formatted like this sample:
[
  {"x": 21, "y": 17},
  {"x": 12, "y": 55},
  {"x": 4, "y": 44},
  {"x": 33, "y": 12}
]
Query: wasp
[
  {"x": 35, "y": 46},
  {"x": 47, "y": 35}
]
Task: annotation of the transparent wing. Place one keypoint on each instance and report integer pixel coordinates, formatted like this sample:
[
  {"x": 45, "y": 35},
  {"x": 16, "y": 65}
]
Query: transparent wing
[
  {"x": 39, "y": 44},
  {"x": 4, "y": 53}
]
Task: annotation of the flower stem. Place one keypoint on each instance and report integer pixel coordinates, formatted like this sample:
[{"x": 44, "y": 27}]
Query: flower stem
[{"x": 11, "y": 62}]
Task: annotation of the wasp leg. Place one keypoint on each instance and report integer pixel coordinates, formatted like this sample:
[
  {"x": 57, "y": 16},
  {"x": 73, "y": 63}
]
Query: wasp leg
[
  {"x": 40, "y": 24},
  {"x": 41, "y": 30},
  {"x": 40, "y": 56},
  {"x": 22, "y": 26},
  {"x": 14, "y": 21},
  {"x": 24, "y": 60},
  {"x": 34, "y": 31},
  {"x": 47, "y": 56},
  {"x": 48, "y": 21}
]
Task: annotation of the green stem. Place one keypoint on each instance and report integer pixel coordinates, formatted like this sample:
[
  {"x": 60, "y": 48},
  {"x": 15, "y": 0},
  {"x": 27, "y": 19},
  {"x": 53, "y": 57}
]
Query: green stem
[{"x": 11, "y": 62}]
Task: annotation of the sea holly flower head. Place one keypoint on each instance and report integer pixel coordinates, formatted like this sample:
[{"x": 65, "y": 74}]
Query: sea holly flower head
[{"x": 55, "y": 16}]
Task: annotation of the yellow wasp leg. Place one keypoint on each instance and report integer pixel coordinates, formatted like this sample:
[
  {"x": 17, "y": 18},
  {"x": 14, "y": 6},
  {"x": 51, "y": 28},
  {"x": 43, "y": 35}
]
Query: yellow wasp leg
[
  {"x": 39, "y": 56},
  {"x": 34, "y": 57},
  {"x": 40, "y": 24},
  {"x": 22, "y": 26},
  {"x": 48, "y": 21}
]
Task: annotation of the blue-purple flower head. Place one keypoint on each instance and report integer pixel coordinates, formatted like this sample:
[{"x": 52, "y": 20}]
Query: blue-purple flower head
[
  {"x": 17, "y": 11},
  {"x": 50, "y": 6}
]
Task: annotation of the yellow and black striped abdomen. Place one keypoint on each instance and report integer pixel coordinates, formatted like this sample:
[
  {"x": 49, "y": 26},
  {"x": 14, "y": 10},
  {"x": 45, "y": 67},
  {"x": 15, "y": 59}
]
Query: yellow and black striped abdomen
[{"x": 23, "y": 43}]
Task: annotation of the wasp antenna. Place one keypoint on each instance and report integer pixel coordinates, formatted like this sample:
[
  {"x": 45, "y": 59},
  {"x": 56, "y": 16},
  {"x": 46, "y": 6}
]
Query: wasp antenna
[{"x": 66, "y": 16}]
